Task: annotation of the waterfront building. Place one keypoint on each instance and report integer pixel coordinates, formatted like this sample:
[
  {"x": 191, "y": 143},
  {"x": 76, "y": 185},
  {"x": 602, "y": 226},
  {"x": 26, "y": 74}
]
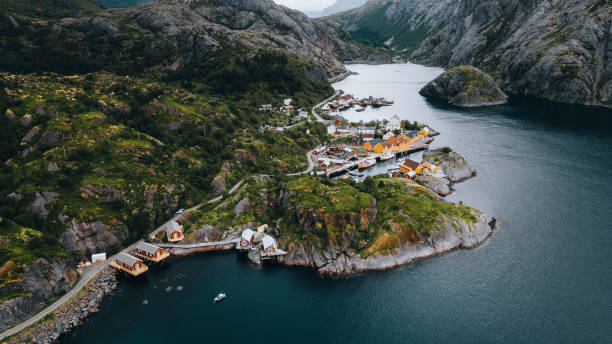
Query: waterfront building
[
  {"x": 246, "y": 239},
  {"x": 129, "y": 264},
  {"x": 151, "y": 252},
  {"x": 174, "y": 232}
]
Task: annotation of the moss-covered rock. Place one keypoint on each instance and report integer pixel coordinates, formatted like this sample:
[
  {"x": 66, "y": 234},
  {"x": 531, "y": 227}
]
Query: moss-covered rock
[{"x": 465, "y": 86}]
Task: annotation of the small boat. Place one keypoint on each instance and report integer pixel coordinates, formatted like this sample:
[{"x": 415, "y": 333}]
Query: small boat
[
  {"x": 219, "y": 298},
  {"x": 386, "y": 157},
  {"x": 367, "y": 163},
  {"x": 360, "y": 109}
]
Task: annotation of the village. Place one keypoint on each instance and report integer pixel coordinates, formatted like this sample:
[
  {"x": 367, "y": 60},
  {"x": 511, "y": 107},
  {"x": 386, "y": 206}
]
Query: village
[{"x": 357, "y": 147}]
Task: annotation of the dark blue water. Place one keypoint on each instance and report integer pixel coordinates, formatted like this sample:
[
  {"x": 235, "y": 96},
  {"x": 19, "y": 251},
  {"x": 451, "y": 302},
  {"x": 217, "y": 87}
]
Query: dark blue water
[{"x": 544, "y": 170}]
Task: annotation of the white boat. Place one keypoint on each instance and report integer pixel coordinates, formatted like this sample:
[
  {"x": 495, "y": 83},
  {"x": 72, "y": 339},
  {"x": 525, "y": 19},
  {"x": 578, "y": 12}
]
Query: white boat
[{"x": 219, "y": 298}]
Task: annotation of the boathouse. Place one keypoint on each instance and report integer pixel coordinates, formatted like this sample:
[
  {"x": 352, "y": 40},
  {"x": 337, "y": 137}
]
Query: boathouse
[
  {"x": 409, "y": 165},
  {"x": 129, "y": 264},
  {"x": 270, "y": 248},
  {"x": 151, "y": 252},
  {"x": 246, "y": 239},
  {"x": 174, "y": 232}
]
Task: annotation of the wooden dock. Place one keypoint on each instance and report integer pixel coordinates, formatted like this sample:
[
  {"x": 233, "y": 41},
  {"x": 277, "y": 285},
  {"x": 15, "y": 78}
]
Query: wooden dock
[
  {"x": 138, "y": 272},
  {"x": 269, "y": 255}
]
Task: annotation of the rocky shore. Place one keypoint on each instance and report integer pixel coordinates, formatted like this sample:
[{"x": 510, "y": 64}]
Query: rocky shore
[
  {"x": 71, "y": 314},
  {"x": 455, "y": 168},
  {"x": 343, "y": 261}
]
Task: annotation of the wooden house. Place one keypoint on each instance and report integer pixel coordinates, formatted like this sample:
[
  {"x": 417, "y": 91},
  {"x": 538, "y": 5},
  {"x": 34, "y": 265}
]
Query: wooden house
[
  {"x": 174, "y": 232},
  {"x": 129, "y": 264},
  {"x": 409, "y": 165},
  {"x": 151, "y": 252},
  {"x": 371, "y": 145}
]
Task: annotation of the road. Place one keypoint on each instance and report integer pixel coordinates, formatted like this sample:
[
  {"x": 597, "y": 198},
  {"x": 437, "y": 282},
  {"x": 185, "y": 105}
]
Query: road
[
  {"x": 92, "y": 271},
  {"x": 319, "y": 119}
]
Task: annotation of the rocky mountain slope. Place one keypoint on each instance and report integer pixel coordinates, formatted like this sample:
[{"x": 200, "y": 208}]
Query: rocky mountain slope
[
  {"x": 163, "y": 35},
  {"x": 558, "y": 50}
]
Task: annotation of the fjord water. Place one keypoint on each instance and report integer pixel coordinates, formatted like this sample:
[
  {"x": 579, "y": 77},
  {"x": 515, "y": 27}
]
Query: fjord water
[{"x": 545, "y": 276}]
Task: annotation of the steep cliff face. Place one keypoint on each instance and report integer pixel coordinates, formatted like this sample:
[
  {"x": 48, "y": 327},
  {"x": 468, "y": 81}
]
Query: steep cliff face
[
  {"x": 41, "y": 282},
  {"x": 557, "y": 50}
]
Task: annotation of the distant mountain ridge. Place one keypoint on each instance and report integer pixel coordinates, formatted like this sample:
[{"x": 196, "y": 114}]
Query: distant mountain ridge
[
  {"x": 556, "y": 50},
  {"x": 338, "y": 6}
]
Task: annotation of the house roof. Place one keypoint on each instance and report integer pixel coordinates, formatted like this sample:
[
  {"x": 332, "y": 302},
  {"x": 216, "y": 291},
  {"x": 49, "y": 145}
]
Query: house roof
[
  {"x": 411, "y": 133},
  {"x": 127, "y": 259},
  {"x": 268, "y": 241},
  {"x": 367, "y": 128},
  {"x": 247, "y": 234},
  {"x": 173, "y": 226},
  {"x": 148, "y": 248},
  {"x": 410, "y": 164},
  {"x": 375, "y": 142}
]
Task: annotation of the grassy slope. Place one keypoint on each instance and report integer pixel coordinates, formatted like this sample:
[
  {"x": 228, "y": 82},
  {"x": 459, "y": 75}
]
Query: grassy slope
[{"x": 406, "y": 211}]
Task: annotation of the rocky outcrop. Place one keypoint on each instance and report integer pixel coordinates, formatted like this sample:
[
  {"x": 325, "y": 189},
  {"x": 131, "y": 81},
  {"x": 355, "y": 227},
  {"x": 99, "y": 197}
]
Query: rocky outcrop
[
  {"x": 454, "y": 166},
  {"x": 71, "y": 314},
  {"x": 195, "y": 27},
  {"x": 94, "y": 237},
  {"x": 441, "y": 186},
  {"x": 465, "y": 86},
  {"x": 42, "y": 281},
  {"x": 556, "y": 50},
  {"x": 451, "y": 234}
]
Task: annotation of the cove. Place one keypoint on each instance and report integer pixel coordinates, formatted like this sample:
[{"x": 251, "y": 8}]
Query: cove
[{"x": 544, "y": 171}]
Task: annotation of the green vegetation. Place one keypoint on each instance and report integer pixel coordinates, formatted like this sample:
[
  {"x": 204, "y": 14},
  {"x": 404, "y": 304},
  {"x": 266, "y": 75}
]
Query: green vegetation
[{"x": 374, "y": 216}]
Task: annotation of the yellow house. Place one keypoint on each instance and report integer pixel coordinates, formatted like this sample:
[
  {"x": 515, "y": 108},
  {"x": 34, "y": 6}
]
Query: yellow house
[{"x": 373, "y": 146}]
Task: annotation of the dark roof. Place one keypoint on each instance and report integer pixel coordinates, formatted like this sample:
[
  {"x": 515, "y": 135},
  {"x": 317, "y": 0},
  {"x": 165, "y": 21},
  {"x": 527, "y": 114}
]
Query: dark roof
[
  {"x": 148, "y": 248},
  {"x": 411, "y": 133},
  {"x": 127, "y": 259},
  {"x": 411, "y": 164},
  {"x": 375, "y": 141}
]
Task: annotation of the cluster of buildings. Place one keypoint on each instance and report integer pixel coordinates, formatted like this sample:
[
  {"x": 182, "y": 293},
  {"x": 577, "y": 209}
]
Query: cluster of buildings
[
  {"x": 133, "y": 263},
  {"x": 346, "y": 101},
  {"x": 253, "y": 240},
  {"x": 409, "y": 169},
  {"x": 396, "y": 144},
  {"x": 334, "y": 155},
  {"x": 287, "y": 107}
]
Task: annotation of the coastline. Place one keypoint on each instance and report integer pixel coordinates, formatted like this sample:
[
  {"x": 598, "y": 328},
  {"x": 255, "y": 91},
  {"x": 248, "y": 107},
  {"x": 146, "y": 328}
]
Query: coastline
[{"x": 71, "y": 314}]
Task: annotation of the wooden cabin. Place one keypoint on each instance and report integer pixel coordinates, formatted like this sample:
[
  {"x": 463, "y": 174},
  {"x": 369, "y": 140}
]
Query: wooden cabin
[
  {"x": 129, "y": 264},
  {"x": 246, "y": 239},
  {"x": 409, "y": 165},
  {"x": 269, "y": 244},
  {"x": 174, "y": 232},
  {"x": 151, "y": 252}
]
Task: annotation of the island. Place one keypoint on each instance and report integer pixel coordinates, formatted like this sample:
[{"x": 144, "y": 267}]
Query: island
[{"x": 465, "y": 86}]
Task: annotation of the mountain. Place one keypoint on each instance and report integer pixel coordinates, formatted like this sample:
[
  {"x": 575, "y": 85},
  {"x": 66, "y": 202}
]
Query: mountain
[
  {"x": 163, "y": 35},
  {"x": 338, "y": 6},
  {"x": 113, "y": 119},
  {"x": 557, "y": 50}
]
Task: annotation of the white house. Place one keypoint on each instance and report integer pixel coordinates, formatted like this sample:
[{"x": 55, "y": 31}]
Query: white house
[
  {"x": 343, "y": 129},
  {"x": 367, "y": 130},
  {"x": 98, "y": 257},
  {"x": 394, "y": 124},
  {"x": 388, "y": 135},
  {"x": 287, "y": 102},
  {"x": 269, "y": 244},
  {"x": 246, "y": 238},
  {"x": 331, "y": 129}
]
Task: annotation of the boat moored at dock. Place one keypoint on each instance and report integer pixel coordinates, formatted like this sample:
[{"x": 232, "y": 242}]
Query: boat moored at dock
[{"x": 367, "y": 164}]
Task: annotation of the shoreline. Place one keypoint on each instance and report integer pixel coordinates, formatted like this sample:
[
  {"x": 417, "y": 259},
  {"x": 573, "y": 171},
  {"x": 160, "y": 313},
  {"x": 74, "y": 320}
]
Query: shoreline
[{"x": 71, "y": 314}]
